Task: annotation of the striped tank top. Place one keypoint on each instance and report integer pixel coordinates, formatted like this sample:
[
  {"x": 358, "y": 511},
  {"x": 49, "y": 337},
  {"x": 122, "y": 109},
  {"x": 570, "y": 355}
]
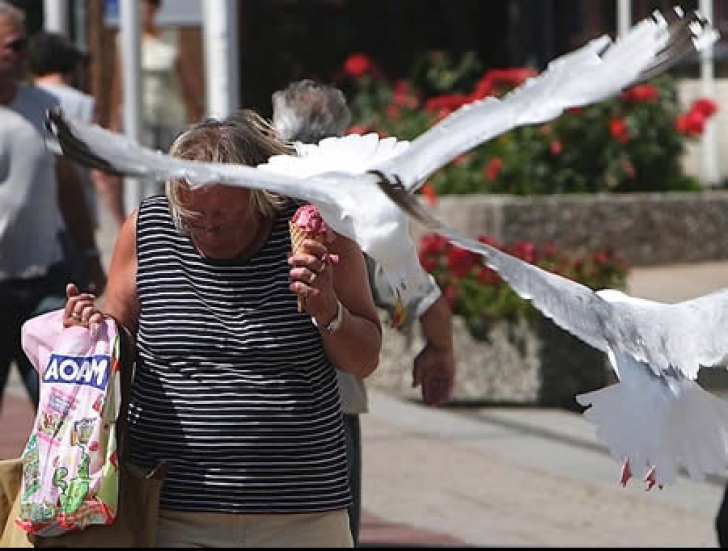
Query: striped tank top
[{"x": 232, "y": 384}]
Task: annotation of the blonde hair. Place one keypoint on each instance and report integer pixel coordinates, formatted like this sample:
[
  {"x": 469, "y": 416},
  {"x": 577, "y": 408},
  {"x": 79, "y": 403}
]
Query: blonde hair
[{"x": 243, "y": 138}]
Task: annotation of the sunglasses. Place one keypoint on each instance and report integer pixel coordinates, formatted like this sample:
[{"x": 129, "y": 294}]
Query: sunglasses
[{"x": 18, "y": 45}]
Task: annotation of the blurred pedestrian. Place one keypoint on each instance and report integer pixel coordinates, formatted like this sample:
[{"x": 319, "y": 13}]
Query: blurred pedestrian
[
  {"x": 54, "y": 63},
  {"x": 308, "y": 111},
  {"x": 41, "y": 197},
  {"x": 233, "y": 385},
  {"x": 169, "y": 91}
]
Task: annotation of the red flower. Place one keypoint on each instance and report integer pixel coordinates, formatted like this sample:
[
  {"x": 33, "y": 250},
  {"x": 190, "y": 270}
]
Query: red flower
[
  {"x": 357, "y": 65},
  {"x": 601, "y": 258},
  {"x": 556, "y": 148},
  {"x": 358, "y": 129},
  {"x": 433, "y": 243},
  {"x": 705, "y": 106},
  {"x": 525, "y": 250},
  {"x": 428, "y": 190},
  {"x": 618, "y": 129},
  {"x": 429, "y": 263},
  {"x": 486, "y": 276},
  {"x": 493, "y": 168},
  {"x": 488, "y": 240},
  {"x": 691, "y": 124},
  {"x": 393, "y": 112},
  {"x": 461, "y": 159},
  {"x": 403, "y": 97},
  {"x": 550, "y": 250},
  {"x": 447, "y": 102},
  {"x": 641, "y": 93},
  {"x": 459, "y": 261},
  {"x": 499, "y": 81}
]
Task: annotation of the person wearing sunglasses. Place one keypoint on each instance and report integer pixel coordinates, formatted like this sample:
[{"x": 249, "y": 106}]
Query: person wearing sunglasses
[{"x": 41, "y": 197}]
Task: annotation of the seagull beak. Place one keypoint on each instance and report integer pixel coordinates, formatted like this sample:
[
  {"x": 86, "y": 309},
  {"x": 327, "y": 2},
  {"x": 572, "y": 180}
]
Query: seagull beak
[{"x": 399, "y": 314}]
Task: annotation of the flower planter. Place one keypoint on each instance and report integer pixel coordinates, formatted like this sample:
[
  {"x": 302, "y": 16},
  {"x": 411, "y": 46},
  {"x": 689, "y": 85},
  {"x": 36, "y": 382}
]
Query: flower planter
[{"x": 522, "y": 363}]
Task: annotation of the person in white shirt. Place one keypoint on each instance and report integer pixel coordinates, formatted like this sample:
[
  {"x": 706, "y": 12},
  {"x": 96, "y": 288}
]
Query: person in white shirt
[
  {"x": 308, "y": 111},
  {"x": 41, "y": 197},
  {"x": 169, "y": 99}
]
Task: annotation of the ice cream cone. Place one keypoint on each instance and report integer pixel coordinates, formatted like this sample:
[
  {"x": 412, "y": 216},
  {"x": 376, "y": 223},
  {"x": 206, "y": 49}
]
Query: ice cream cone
[{"x": 298, "y": 235}]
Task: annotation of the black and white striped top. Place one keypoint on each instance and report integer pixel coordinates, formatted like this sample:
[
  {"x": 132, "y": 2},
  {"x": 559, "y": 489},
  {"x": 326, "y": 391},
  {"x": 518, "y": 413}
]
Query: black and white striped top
[{"x": 232, "y": 385}]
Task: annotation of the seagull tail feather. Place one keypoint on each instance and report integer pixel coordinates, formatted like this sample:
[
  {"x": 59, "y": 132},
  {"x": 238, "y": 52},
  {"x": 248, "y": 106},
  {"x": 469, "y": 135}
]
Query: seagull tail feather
[{"x": 669, "y": 426}]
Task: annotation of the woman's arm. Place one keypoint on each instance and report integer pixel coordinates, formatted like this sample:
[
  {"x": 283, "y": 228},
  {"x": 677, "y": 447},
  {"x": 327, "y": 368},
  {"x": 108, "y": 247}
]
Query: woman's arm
[
  {"x": 355, "y": 344},
  {"x": 121, "y": 300},
  {"x": 77, "y": 217}
]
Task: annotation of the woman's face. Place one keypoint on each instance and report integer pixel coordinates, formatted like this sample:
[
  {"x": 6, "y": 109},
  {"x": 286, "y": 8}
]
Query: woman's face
[{"x": 221, "y": 225}]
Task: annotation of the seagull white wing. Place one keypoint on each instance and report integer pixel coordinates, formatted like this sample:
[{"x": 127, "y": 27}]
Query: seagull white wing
[
  {"x": 706, "y": 343},
  {"x": 94, "y": 146},
  {"x": 571, "y": 305},
  {"x": 685, "y": 336},
  {"x": 352, "y": 154},
  {"x": 600, "y": 69}
]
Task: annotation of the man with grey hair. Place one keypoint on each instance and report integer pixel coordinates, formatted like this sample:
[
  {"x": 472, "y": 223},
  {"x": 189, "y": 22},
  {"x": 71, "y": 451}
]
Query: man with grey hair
[
  {"x": 41, "y": 196},
  {"x": 308, "y": 111}
]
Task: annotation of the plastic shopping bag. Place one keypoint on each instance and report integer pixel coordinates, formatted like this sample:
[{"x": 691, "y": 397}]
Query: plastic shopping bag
[{"x": 70, "y": 465}]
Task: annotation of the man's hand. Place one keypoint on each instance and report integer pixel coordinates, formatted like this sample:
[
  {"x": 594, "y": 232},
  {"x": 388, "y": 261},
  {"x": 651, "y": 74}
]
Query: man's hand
[{"x": 434, "y": 371}]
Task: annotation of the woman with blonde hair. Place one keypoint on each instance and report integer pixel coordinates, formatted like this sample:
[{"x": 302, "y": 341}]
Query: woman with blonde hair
[{"x": 233, "y": 386}]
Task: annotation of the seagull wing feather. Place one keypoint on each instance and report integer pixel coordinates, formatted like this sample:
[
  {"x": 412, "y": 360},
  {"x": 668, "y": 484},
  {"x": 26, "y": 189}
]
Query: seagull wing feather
[
  {"x": 94, "y": 146},
  {"x": 571, "y": 305}
]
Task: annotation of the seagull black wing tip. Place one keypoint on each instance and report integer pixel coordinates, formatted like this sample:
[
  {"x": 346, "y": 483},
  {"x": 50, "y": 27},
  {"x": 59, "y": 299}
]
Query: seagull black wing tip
[
  {"x": 72, "y": 146},
  {"x": 406, "y": 201}
]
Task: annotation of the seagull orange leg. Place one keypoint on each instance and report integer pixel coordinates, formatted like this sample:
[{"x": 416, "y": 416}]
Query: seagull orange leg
[
  {"x": 626, "y": 473},
  {"x": 651, "y": 481}
]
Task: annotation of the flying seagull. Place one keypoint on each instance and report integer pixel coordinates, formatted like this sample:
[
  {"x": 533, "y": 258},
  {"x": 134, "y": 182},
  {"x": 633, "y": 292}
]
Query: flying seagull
[
  {"x": 656, "y": 419},
  {"x": 341, "y": 175}
]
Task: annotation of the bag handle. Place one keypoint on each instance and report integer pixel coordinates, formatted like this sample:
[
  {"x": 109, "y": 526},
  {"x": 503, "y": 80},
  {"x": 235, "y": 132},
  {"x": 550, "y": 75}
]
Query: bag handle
[
  {"x": 126, "y": 372},
  {"x": 127, "y": 362}
]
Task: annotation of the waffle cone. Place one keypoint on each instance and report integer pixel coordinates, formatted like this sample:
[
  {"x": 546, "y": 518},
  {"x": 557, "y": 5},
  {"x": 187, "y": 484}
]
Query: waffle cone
[{"x": 298, "y": 234}]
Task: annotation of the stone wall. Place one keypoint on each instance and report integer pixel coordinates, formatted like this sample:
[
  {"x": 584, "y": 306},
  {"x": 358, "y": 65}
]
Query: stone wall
[{"x": 644, "y": 228}]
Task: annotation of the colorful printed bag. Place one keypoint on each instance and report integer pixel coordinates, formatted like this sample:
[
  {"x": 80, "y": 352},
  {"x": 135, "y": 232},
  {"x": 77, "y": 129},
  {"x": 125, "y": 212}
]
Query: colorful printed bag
[{"x": 70, "y": 464}]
